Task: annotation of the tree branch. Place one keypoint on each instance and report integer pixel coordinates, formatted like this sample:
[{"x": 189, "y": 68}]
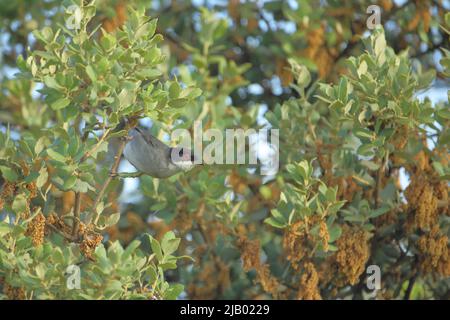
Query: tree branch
[
  {"x": 96, "y": 146},
  {"x": 108, "y": 180},
  {"x": 377, "y": 190},
  {"x": 76, "y": 215},
  {"x": 411, "y": 283},
  {"x": 62, "y": 233}
]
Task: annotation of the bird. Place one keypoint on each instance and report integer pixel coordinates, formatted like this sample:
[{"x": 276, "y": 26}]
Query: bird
[{"x": 151, "y": 156}]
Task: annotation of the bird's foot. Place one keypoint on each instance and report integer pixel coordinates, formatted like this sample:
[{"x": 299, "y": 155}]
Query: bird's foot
[
  {"x": 113, "y": 174},
  {"x": 127, "y": 138},
  {"x": 124, "y": 175}
]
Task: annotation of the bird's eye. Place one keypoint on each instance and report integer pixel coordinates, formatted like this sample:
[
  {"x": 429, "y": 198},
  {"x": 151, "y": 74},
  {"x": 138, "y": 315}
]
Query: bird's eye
[{"x": 180, "y": 153}]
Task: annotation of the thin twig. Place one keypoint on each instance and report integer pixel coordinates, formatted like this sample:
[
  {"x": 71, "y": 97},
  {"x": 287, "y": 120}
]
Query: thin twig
[
  {"x": 77, "y": 205},
  {"x": 76, "y": 215},
  {"x": 62, "y": 233},
  {"x": 378, "y": 180},
  {"x": 108, "y": 180},
  {"x": 411, "y": 283},
  {"x": 96, "y": 146},
  {"x": 379, "y": 175}
]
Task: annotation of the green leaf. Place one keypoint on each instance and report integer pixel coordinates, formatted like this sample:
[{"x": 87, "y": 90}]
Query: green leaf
[
  {"x": 5, "y": 228},
  {"x": 380, "y": 44},
  {"x": 51, "y": 83},
  {"x": 304, "y": 169},
  {"x": 9, "y": 174},
  {"x": 362, "y": 69},
  {"x": 378, "y": 212},
  {"x": 342, "y": 94},
  {"x": 301, "y": 72},
  {"x": 126, "y": 98},
  {"x": 444, "y": 113},
  {"x": 363, "y": 133},
  {"x": 117, "y": 134},
  {"x": 47, "y": 34},
  {"x": 275, "y": 223},
  {"x": 366, "y": 150},
  {"x": 158, "y": 206},
  {"x": 303, "y": 77},
  {"x": 55, "y": 155},
  {"x": 156, "y": 248},
  {"x": 43, "y": 177},
  {"x": 31, "y": 177},
  {"x": 178, "y": 103},
  {"x": 107, "y": 41},
  {"x": 447, "y": 19},
  {"x": 46, "y": 55},
  {"x": 370, "y": 165},
  {"x": 69, "y": 183},
  {"x": 40, "y": 144},
  {"x": 152, "y": 27},
  {"x": 60, "y": 104},
  {"x": 169, "y": 243},
  {"x": 191, "y": 93},
  {"x": 82, "y": 186},
  {"x": 113, "y": 219},
  {"x": 425, "y": 79},
  {"x": 21, "y": 63},
  {"x": 168, "y": 266},
  {"x": 91, "y": 73},
  {"x": 174, "y": 90},
  {"x": 40, "y": 270},
  {"x": 25, "y": 148},
  {"x": 113, "y": 289},
  {"x": 335, "y": 232},
  {"x": 266, "y": 192},
  {"x": 278, "y": 215},
  {"x": 130, "y": 249},
  {"x": 173, "y": 292},
  {"x": 149, "y": 73},
  {"x": 19, "y": 204},
  {"x": 74, "y": 144}
]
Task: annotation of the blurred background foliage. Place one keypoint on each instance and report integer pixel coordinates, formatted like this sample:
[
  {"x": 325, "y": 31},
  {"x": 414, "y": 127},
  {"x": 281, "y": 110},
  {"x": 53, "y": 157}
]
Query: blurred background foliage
[{"x": 363, "y": 174}]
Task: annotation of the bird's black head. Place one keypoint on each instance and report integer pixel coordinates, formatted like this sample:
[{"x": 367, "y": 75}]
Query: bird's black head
[{"x": 183, "y": 158}]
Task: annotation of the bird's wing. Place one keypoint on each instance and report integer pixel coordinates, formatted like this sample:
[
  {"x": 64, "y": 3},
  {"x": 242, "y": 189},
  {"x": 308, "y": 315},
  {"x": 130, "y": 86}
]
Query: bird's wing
[{"x": 150, "y": 139}]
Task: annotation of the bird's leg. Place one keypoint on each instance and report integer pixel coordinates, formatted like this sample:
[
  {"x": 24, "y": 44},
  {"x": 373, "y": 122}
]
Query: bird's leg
[{"x": 124, "y": 175}]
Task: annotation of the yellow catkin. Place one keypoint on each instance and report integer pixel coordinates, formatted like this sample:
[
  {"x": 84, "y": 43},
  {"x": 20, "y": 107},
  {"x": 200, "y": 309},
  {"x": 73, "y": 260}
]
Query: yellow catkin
[
  {"x": 317, "y": 51},
  {"x": 89, "y": 243},
  {"x": 8, "y": 190},
  {"x": 309, "y": 284},
  {"x": 295, "y": 243},
  {"x": 353, "y": 253},
  {"x": 434, "y": 252},
  {"x": 203, "y": 288},
  {"x": 268, "y": 282},
  {"x": 13, "y": 293},
  {"x": 35, "y": 229},
  {"x": 324, "y": 235},
  {"x": 422, "y": 203},
  {"x": 251, "y": 260},
  {"x": 249, "y": 253},
  {"x": 32, "y": 188}
]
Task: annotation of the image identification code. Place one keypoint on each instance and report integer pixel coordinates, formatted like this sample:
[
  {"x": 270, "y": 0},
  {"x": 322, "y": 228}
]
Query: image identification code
[{"x": 228, "y": 310}]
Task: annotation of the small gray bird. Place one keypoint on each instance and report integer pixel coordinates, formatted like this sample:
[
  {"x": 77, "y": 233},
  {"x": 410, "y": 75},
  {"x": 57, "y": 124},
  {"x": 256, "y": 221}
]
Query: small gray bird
[{"x": 151, "y": 156}]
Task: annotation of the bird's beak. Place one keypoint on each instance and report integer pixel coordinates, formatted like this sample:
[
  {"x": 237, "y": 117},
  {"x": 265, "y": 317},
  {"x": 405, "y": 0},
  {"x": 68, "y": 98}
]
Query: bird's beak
[{"x": 195, "y": 160}]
